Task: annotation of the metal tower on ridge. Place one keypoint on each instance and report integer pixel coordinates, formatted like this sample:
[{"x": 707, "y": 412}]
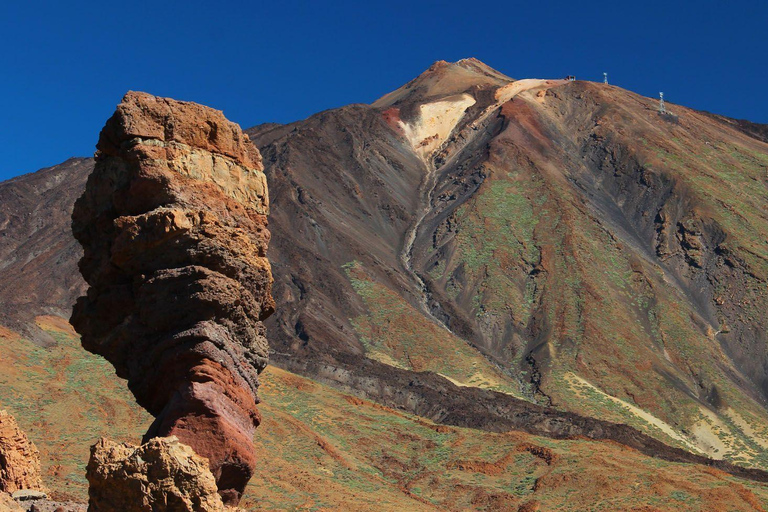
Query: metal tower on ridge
[
  {"x": 662, "y": 108},
  {"x": 605, "y": 78}
]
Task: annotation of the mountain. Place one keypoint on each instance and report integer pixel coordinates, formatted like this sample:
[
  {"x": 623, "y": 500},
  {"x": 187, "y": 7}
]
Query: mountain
[
  {"x": 547, "y": 256},
  {"x": 560, "y": 242}
]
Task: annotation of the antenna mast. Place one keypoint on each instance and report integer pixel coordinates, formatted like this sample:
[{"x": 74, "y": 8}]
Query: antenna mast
[
  {"x": 605, "y": 78},
  {"x": 662, "y": 108}
]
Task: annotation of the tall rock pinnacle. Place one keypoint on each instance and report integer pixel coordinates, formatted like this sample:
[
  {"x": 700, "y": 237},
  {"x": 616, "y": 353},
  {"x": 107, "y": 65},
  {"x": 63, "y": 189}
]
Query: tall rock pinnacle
[{"x": 173, "y": 223}]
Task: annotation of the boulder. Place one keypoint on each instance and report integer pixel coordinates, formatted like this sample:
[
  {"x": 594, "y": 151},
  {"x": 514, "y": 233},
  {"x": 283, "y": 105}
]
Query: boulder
[{"x": 162, "y": 475}]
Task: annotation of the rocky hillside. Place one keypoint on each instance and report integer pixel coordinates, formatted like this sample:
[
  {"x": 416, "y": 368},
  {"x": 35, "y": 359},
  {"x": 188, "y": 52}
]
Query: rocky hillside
[
  {"x": 560, "y": 242},
  {"x": 38, "y": 254},
  {"x": 471, "y": 248}
]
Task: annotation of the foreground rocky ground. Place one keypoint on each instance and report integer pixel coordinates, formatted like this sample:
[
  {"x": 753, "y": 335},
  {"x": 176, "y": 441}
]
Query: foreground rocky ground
[{"x": 323, "y": 449}]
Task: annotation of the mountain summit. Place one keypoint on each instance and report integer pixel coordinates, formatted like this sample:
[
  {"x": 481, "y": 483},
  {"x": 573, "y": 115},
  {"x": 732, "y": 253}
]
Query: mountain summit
[{"x": 444, "y": 79}]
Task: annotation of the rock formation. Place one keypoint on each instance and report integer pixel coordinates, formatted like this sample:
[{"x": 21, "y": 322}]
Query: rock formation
[
  {"x": 162, "y": 475},
  {"x": 174, "y": 230},
  {"x": 19, "y": 458}
]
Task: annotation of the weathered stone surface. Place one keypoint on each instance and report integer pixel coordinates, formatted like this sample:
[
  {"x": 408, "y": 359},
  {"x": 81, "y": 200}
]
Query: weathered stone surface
[
  {"x": 19, "y": 458},
  {"x": 174, "y": 231},
  {"x": 160, "y": 475},
  {"x": 28, "y": 495}
]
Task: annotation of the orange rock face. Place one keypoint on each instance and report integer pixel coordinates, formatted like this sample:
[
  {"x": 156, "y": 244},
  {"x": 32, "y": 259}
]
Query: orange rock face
[
  {"x": 19, "y": 458},
  {"x": 174, "y": 230},
  {"x": 162, "y": 475}
]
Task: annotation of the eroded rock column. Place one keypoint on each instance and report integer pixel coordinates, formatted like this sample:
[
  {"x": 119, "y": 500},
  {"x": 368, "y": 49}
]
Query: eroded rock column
[
  {"x": 173, "y": 223},
  {"x": 19, "y": 458}
]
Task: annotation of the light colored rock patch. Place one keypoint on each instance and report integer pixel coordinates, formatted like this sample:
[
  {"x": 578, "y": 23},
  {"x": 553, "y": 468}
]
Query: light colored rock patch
[
  {"x": 481, "y": 381},
  {"x": 248, "y": 186},
  {"x": 381, "y": 357},
  {"x": 475, "y": 380},
  {"x": 507, "y": 92},
  {"x": 709, "y": 432},
  {"x": 575, "y": 381},
  {"x": 434, "y": 124},
  {"x": 747, "y": 428}
]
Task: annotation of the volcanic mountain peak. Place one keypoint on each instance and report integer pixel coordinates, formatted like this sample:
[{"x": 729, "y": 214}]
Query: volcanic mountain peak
[
  {"x": 480, "y": 67},
  {"x": 444, "y": 79},
  {"x": 447, "y": 97}
]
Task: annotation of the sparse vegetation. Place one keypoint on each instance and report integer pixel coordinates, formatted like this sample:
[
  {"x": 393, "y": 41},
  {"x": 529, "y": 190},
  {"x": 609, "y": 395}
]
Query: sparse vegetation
[{"x": 395, "y": 333}]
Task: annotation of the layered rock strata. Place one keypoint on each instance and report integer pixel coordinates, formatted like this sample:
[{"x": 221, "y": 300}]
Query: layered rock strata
[{"x": 173, "y": 223}]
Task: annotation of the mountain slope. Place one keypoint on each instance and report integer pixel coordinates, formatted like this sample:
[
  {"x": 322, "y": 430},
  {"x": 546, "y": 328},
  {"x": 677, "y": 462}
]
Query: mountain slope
[
  {"x": 38, "y": 254},
  {"x": 631, "y": 266}
]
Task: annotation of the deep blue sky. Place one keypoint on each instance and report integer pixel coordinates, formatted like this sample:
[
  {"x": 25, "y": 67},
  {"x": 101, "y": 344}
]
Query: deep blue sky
[{"x": 66, "y": 64}]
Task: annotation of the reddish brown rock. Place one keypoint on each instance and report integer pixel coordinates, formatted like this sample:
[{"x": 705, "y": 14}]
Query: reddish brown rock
[
  {"x": 174, "y": 230},
  {"x": 19, "y": 458}
]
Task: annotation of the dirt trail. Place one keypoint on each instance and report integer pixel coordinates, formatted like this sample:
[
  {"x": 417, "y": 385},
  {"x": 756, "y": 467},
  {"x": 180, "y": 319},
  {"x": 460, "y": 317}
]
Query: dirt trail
[{"x": 425, "y": 195}]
